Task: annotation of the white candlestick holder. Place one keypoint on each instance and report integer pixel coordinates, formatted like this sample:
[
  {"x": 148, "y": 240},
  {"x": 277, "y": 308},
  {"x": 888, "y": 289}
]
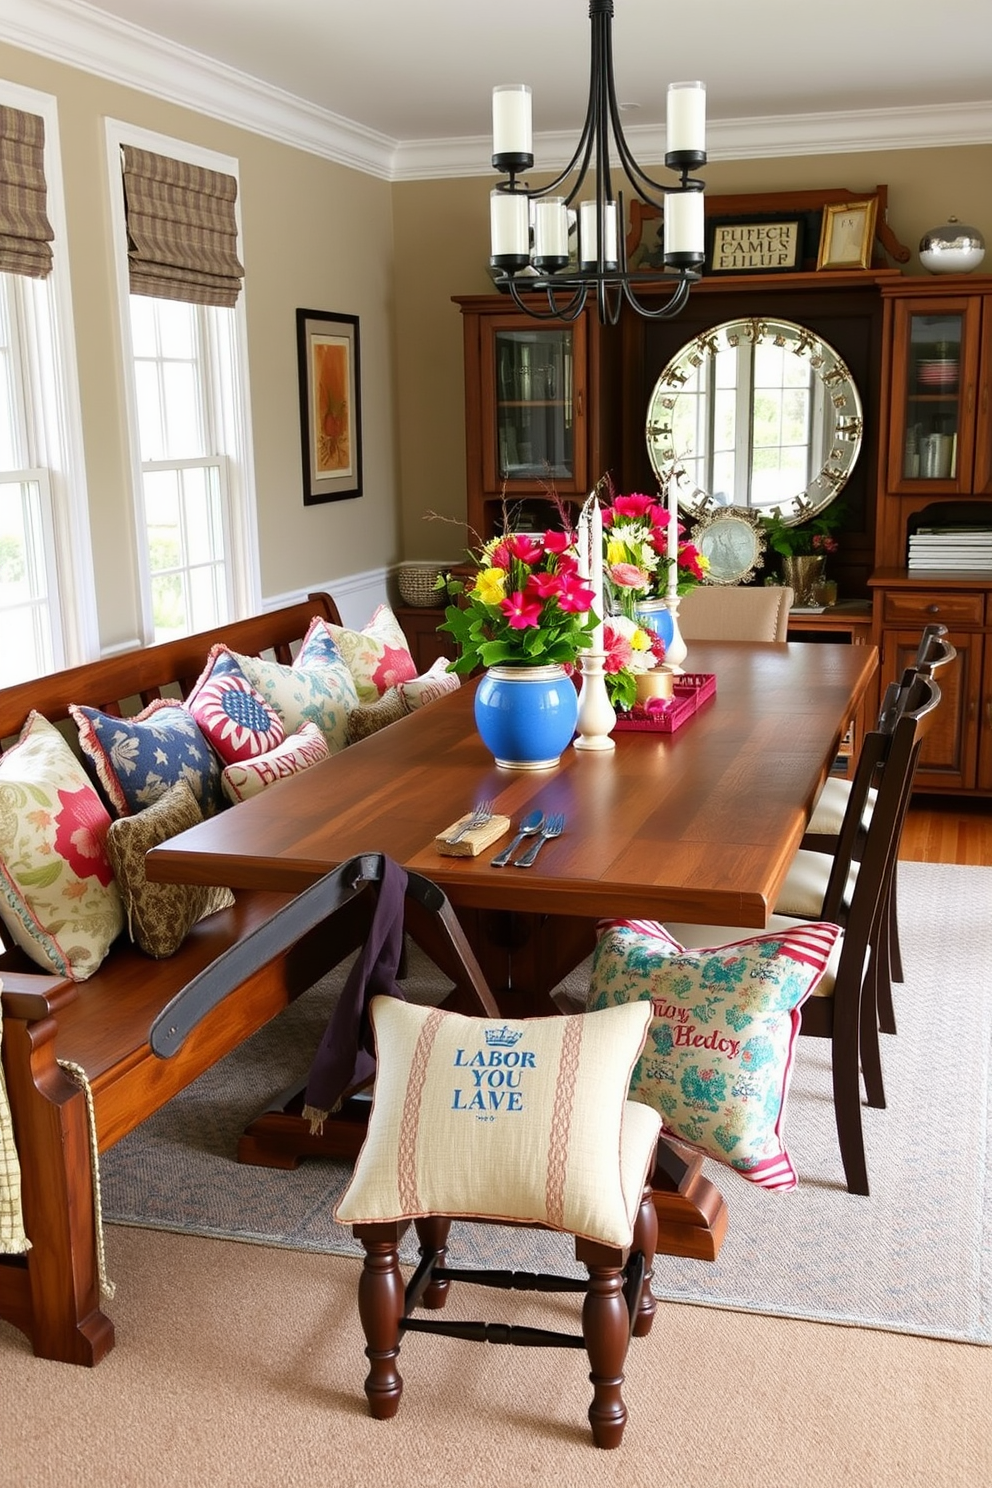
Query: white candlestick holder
[
  {"x": 676, "y": 651},
  {"x": 597, "y": 718}
]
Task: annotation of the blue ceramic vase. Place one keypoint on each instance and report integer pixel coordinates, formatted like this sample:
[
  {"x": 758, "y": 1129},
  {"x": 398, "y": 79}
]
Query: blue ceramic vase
[
  {"x": 526, "y": 715},
  {"x": 654, "y": 614}
]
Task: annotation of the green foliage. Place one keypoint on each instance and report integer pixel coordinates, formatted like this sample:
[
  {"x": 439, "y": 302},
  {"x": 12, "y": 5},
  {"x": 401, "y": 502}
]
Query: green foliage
[{"x": 797, "y": 540}]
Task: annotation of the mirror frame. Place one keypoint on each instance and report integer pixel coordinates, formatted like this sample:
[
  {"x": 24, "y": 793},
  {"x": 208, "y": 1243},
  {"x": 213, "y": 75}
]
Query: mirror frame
[{"x": 824, "y": 361}]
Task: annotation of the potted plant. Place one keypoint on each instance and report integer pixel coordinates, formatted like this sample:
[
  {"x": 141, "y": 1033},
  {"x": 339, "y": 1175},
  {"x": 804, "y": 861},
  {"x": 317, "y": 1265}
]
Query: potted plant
[
  {"x": 524, "y": 618},
  {"x": 803, "y": 548}
]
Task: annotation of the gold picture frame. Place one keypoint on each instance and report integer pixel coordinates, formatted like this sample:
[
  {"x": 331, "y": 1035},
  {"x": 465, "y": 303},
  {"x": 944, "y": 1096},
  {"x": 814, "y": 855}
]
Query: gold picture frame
[{"x": 847, "y": 235}]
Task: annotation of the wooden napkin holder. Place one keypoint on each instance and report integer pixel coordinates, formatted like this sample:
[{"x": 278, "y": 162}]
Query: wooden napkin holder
[{"x": 475, "y": 841}]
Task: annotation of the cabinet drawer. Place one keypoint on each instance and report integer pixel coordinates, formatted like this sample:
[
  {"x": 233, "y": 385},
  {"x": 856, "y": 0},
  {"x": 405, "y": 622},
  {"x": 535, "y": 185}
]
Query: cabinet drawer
[{"x": 905, "y": 607}]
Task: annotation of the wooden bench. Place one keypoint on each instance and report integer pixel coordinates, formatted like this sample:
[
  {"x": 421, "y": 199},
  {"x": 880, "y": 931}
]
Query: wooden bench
[{"x": 52, "y": 1293}]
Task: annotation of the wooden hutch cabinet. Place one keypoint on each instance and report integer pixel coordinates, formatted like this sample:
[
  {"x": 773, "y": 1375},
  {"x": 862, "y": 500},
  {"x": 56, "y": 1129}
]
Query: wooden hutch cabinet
[
  {"x": 539, "y": 410},
  {"x": 937, "y": 364}
]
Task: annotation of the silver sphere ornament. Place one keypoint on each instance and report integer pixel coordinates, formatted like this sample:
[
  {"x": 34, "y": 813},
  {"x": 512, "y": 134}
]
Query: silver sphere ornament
[{"x": 954, "y": 248}]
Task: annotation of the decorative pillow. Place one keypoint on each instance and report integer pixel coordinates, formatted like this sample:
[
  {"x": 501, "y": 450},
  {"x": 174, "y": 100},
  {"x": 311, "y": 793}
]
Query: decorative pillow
[
  {"x": 378, "y": 656},
  {"x": 318, "y": 688},
  {"x": 527, "y": 1119},
  {"x": 296, "y": 752},
  {"x": 718, "y": 1058},
  {"x": 236, "y": 719},
  {"x": 433, "y": 684},
  {"x": 371, "y": 717},
  {"x": 159, "y": 915},
  {"x": 137, "y": 759},
  {"x": 58, "y": 898}
]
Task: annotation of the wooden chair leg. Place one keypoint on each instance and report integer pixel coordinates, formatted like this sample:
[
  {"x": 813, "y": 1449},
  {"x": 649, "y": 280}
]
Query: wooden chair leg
[
  {"x": 895, "y": 949},
  {"x": 606, "y": 1331},
  {"x": 646, "y": 1241},
  {"x": 432, "y": 1232},
  {"x": 871, "y": 1054},
  {"x": 847, "y": 1111},
  {"x": 380, "y": 1307}
]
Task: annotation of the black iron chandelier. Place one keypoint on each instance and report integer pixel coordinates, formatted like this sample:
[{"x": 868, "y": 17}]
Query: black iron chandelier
[{"x": 530, "y": 227}]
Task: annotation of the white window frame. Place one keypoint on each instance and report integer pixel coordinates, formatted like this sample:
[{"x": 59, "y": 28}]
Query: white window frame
[
  {"x": 46, "y": 333},
  {"x": 228, "y": 338}
]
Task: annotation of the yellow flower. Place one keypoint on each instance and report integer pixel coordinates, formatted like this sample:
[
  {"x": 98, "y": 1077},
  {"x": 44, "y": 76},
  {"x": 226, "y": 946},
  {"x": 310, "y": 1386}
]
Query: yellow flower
[
  {"x": 640, "y": 640},
  {"x": 616, "y": 552},
  {"x": 490, "y": 586}
]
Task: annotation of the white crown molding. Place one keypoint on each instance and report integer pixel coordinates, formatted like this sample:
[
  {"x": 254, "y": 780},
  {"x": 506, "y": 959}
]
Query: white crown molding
[
  {"x": 731, "y": 139},
  {"x": 71, "y": 32}
]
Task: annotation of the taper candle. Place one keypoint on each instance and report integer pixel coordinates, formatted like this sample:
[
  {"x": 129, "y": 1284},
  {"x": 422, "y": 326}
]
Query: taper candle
[
  {"x": 596, "y": 570},
  {"x": 673, "y": 541}
]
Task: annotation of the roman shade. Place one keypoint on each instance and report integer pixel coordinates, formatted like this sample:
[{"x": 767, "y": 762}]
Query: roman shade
[
  {"x": 181, "y": 229},
  {"x": 25, "y": 231}
]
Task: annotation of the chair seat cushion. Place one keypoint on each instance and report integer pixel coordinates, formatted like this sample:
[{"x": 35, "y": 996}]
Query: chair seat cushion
[
  {"x": 831, "y": 804},
  {"x": 806, "y": 884},
  {"x": 525, "y": 1120},
  {"x": 719, "y": 1054}
]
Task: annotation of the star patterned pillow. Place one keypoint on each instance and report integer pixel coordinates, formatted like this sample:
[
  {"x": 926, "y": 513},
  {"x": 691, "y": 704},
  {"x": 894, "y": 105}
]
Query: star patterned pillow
[{"x": 136, "y": 760}]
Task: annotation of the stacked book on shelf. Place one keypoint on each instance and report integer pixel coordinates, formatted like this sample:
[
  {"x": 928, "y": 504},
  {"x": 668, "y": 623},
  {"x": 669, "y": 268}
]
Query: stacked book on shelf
[{"x": 951, "y": 550}]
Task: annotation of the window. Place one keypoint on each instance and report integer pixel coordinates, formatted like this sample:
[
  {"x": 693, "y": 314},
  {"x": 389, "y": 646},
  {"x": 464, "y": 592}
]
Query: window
[
  {"x": 186, "y": 374},
  {"x": 47, "y": 601}
]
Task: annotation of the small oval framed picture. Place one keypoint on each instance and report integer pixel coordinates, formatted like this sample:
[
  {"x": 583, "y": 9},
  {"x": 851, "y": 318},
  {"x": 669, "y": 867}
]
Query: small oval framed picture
[{"x": 732, "y": 538}]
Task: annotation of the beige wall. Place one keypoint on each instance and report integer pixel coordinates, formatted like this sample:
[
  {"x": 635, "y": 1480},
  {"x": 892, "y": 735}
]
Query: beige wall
[
  {"x": 315, "y": 235},
  {"x": 442, "y": 236},
  {"x": 321, "y": 236}
]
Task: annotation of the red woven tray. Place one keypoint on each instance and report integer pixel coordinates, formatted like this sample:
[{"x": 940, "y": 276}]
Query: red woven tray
[{"x": 665, "y": 715}]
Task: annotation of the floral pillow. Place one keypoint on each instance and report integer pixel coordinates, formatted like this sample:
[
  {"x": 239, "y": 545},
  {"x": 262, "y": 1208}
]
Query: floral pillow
[
  {"x": 378, "y": 656},
  {"x": 318, "y": 688},
  {"x": 58, "y": 898},
  {"x": 159, "y": 915},
  {"x": 137, "y": 759},
  {"x": 234, "y": 717},
  {"x": 296, "y": 752},
  {"x": 433, "y": 684},
  {"x": 525, "y": 1120},
  {"x": 719, "y": 1053}
]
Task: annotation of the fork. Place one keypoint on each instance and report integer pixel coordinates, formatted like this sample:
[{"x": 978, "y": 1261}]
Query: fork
[
  {"x": 480, "y": 815},
  {"x": 553, "y": 827}
]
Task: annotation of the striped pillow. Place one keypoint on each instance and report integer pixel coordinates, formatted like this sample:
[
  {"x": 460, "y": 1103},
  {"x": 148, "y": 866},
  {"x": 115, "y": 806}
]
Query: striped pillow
[
  {"x": 523, "y": 1120},
  {"x": 719, "y": 1053}
]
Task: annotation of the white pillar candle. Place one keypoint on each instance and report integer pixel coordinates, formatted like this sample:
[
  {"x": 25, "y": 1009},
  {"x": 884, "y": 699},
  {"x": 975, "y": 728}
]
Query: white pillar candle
[
  {"x": 509, "y": 224},
  {"x": 512, "y": 129},
  {"x": 686, "y": 118},
  {"x": 685, "y": 227},
  {"x": 550, "y": 228},
  {"x": 588, "y": 244},
  {"x": 596, "y": 571},
  {"x": 673, "y": 540}
]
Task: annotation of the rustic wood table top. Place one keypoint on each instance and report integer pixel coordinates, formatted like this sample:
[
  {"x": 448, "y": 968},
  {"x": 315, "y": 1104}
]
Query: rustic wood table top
[{"x": 699, "y": 825}]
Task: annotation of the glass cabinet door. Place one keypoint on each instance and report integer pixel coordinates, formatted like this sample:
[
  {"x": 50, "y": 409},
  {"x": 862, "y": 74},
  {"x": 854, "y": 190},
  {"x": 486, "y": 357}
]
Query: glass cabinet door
[
  {"x": 933, "y": 375},
  {"x": 533, "y": 436}
]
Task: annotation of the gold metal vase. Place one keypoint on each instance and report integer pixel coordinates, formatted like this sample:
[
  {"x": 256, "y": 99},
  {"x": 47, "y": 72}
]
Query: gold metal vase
[{"x": 802, "y": 572}]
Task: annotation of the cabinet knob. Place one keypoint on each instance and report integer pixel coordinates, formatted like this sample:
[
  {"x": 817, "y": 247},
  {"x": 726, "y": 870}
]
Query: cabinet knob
[{"x": 933, "y": 609}]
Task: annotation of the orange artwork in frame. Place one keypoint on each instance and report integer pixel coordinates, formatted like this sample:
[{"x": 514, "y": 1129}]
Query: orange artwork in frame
[{"x": 330, "y": 405}]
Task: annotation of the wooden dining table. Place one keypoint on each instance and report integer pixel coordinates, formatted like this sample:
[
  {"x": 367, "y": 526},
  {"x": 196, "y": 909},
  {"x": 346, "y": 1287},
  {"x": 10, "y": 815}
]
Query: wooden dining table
[{"x": 696, "y": 825}]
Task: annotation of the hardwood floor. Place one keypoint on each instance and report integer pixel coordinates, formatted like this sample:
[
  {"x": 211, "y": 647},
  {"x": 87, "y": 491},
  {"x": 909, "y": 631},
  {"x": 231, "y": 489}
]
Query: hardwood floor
[{"x": 947, "y": 829}]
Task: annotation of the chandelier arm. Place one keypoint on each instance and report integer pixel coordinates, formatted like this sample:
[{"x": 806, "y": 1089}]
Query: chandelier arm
[
  {"x": 571, "y": 311},
  {"x": 672, "y": 306}
]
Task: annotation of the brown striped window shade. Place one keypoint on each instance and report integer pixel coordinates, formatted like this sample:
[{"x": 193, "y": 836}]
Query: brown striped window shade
[
  {"x": 25, "y": 231},
  {"x": 181, "y": 229}
]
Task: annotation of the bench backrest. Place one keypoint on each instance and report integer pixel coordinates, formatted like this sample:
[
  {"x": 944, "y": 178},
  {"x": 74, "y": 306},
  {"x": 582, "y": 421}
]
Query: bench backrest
[{"x": 126, "y": 683}]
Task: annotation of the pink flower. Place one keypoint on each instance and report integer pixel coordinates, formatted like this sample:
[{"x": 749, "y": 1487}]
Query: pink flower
[
  {"x": 547, "y": 585},
  {"x": 521, "y": 611},
  {"x": 636, "y": 505},
  {"x": 657, "y": 647},
  {"x": 556, "y": 542},
  {"x": 619, "y": 652},
  {"x": 521, "y": 545},
  {"x": 629, "y": 576},
  {"x": 81, "y": 835},
  {"x": 575, "y": 596}
]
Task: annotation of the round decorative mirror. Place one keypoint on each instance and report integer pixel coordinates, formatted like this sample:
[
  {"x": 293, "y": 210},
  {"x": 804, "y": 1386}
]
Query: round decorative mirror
[{"x": 758, "y": 414}]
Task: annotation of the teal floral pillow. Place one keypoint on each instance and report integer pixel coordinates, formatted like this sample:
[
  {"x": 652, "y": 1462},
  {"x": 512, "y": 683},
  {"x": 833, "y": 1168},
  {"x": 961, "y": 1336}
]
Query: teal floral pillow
[
  {"x": 718, "y": 1058},
  {"x": 318, "y": 688}
]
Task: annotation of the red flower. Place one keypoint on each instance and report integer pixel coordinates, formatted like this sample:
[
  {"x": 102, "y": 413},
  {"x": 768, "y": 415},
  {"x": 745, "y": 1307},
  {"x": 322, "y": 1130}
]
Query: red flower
[
  {"x": 575, "y": 596},
  {"x": 547, "y": 585},
  {"x": 633, "y": 506},
  {"x": 556, "y": 542},
  {"x": 521, "y": 611},
  {"x": 81, "y": 835},
  {"x": 521, "y": 545}
]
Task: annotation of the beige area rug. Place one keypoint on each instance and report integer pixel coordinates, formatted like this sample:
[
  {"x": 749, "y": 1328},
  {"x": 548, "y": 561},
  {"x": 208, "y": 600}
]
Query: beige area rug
[{"x": 915, "y": 1257}]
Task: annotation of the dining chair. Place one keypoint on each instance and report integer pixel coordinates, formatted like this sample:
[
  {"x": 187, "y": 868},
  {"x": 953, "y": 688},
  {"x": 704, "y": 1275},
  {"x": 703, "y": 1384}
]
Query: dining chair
[
  {"x": 722, "y": 612},
  {"x": 933, "y": 653},
  {"x": 842, "y": 1006},
  {"x": 523, "y": 1122}
]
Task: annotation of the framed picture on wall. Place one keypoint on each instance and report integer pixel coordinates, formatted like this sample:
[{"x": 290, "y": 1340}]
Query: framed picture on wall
[
  {"x": 847, "y": 235},
  {"x": 330, "y": 405}
]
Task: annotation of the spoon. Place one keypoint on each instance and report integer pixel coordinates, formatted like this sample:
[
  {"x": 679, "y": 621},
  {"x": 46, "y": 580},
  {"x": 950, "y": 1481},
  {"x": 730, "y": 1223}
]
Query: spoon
[{"x": 528, "y": 826}]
